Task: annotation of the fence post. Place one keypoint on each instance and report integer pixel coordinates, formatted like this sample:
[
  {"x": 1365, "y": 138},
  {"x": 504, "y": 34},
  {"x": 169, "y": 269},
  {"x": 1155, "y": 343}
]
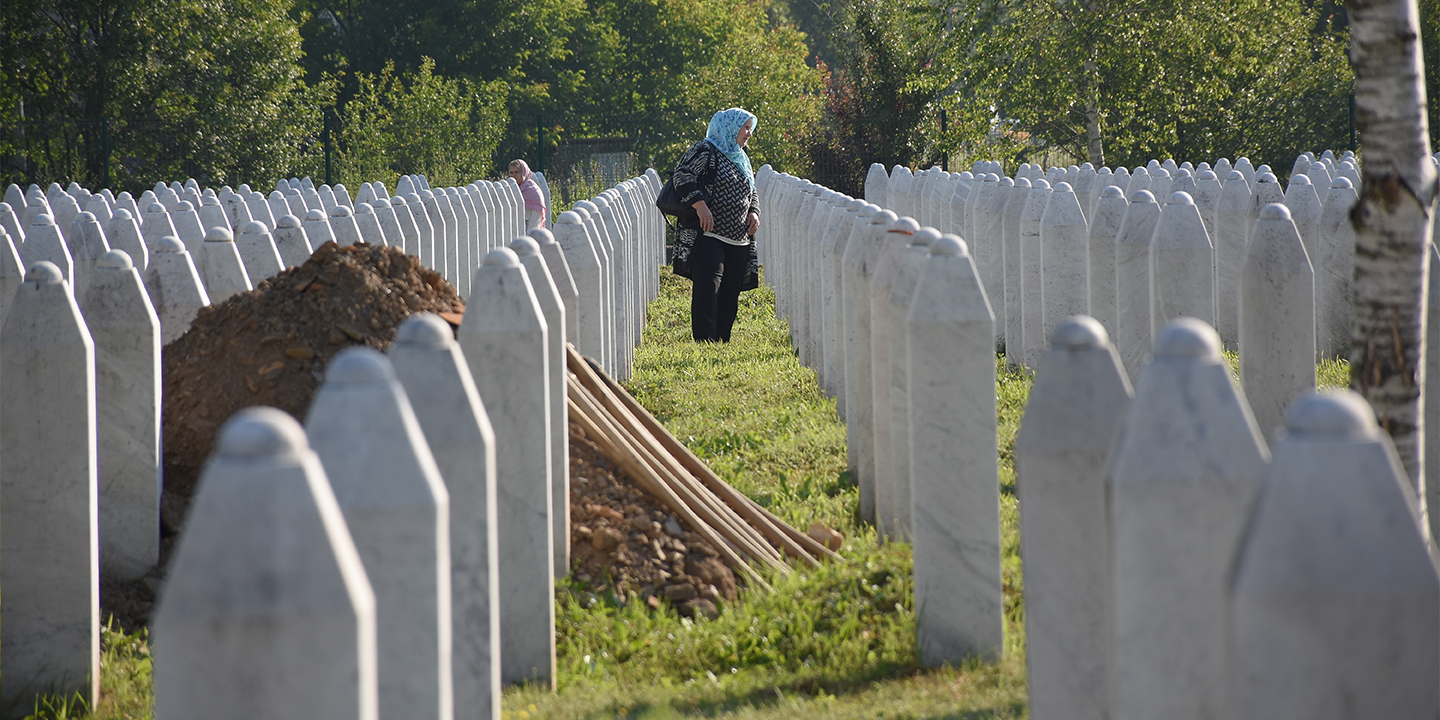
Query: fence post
[
  {"x": 944, "y": 157},
  {"x": 105, "y": 147},
  {"x": 325, "y": 116}
]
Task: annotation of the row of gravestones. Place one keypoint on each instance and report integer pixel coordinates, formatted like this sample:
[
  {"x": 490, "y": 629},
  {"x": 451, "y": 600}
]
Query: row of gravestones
[
  {"x": 255, "y": 552},
  {"x": 1134, "y": 266},
  {"x": 1172, "y": 567}
]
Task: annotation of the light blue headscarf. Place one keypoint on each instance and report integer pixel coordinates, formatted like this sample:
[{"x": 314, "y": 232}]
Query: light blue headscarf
[{"x": 724, "y": 128}]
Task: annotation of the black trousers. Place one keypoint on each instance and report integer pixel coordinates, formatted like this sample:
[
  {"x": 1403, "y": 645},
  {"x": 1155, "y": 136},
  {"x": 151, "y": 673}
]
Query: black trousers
[{"x": 717, "y": 270}]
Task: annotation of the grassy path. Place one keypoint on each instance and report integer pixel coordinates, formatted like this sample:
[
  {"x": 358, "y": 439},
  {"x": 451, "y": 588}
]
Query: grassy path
[{"x": 834, "y": 642}]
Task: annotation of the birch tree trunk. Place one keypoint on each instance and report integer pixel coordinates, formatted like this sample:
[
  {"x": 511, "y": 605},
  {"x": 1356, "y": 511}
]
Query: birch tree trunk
[
  {"x": 1392, "y": 221},
  {"x": 1093, "y": 142}
]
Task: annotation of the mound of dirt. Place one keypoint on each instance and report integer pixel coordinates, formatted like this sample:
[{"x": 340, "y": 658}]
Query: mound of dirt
[
  {"x": 269, "y": 346},
  {"x": 623, "y": 541}
]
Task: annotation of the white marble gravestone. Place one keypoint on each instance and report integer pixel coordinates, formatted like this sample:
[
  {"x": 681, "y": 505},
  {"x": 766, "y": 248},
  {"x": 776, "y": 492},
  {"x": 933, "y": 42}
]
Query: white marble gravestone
[
  {"x": 126, "y": 334},
  {"x": 429, "y": 364},
  {"x": 1335, "y": 591},
  {"x": 1073, "y": 417},
  {"x": 258, "y": 252},
  {"x": 553, "y": 310},
  {"x": 49, "y": 538},
  {"x": 389, "y": 489},
  {"x": 506, "y": 349},
  {"x": 220, "y": 266},
  {"x": 175, "y": 289},
  {"x": 1183, "y": 481},
  {"x": 265, "y": 539},
  {"x": 1182, "y": 281},
  {"x": 955, "y": 519},
  {"x": 1132, "y": 281},
  {"x": 1277, "y": 319}
]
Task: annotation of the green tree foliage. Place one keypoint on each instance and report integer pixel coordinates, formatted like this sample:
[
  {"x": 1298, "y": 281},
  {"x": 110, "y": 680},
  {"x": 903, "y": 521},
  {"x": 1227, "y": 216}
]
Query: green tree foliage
[
  {"x": 420, "y": 123},
  {"x": 658, "y": 69},
  {"x": 1124, "y": 81},
  {"x": 171, "y": 88},
  {"x": 883, "y": 90}
]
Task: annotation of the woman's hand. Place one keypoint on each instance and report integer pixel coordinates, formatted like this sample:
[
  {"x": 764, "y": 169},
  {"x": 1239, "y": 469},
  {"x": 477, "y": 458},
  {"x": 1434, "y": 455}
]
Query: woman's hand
[
  {"x": 754, "y": 225},
  {"x": 707, "y": 221}
]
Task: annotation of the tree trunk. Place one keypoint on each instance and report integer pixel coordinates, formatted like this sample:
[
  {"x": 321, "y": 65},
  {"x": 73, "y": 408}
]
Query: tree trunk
[
  {"x": 1392, "y": 222},
  {"x": 1093, "y": 141}
]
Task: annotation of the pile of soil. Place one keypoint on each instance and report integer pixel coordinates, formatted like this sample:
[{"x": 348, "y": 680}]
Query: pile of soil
[
  {"x": 624, "y": 543},
  {"x": 269, "y": 346}
]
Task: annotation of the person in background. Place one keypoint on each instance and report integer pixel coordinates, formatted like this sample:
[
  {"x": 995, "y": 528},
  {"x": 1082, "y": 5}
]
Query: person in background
[
  {"x": 714, "y": 177},
  {"x": 530, "y": 190}
]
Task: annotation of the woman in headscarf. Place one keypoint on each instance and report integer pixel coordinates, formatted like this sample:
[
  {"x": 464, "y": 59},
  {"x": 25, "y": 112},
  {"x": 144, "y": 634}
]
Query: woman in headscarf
[
  {"x": 714, "y": 177},
  {"x": 530, "y": 190}
]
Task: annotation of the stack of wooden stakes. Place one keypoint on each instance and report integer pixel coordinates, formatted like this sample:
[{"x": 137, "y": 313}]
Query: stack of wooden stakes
[{"x": 740, "y": 529}]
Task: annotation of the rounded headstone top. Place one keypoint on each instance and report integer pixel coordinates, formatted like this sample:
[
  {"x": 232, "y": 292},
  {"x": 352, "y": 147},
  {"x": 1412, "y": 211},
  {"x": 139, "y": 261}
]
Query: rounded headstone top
[
  {"x": 285, "y": 221},
  {"x": 1183, "y": 173},
  {"x": 363, "y": 209},
  {"x": 1080, "y": 331},
  {"x": 1064, "y": 187},
  {"x": 41, "y": 219},
  {"x": 85, "y": 217},
  {"x": 1040, "y": 184},
  {"x": 1264, "y": 169},
  {"x": 502, "y": 257},
  {"x": 184, "y": 206},
  {"x": 1275, "y": 211},
  {"x": 44, "y": 273},
  {"x": 1341, "y": 182},
  {"x": 1180, "y": 197},
  {"x": 397, "y": 201},
  {"x": 255, "y": 227},
  {"x": 209, "y": 200},
  {"x": 1144, "y": 196},
  {"x": 1203, "y": 165},
  {"x": 948, "y": 244},
  {"x": 883, "y": 217},
  {"x": 338, "y": 211},
  {"x": 1300, "y": 179},
  {"x": 1006, "y": 182},
  {"x": 1206, "y": 174},
  {"x": 156, "y": 208},
  {"x": 542, "y": 236},
  {"x": 854, "y": 205},
  {"x": 1187, "y": 337},
  {"x": 925, "y": 236},
  {"x": 260, "y": 432},
  {"x": 359, "y": 364},
  {"x": 525, "y": 245},
  {"x": 1265, "y": 178},
  {"x": 117, "y": 259},
  {"x": 427, "y": 194},
  {"x": 219, "y": 234},
  {"x": 169, "y": 244},
  {"x": 1160, "y": 173},
  {"x": 122, "y": 214},
  {"x": 967, "y": 175},
  {"x": 381, "y": 202},
  {"x": 314, "y": 215},
  {"x": 1112, "y": 191},
  {"x": 905, "y": 225},
  {"x": 425, "y": 329},
  {"x": 569, "y": 217},
  {"x": 1341, "y": 413},
  {"x": 1235, "y": 175},
  {"x": 1087, "y": 166}
]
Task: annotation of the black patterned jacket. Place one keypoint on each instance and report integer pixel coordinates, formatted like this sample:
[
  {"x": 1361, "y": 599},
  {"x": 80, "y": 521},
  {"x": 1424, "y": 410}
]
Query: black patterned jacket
[{"x": 704, "y": 173}]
